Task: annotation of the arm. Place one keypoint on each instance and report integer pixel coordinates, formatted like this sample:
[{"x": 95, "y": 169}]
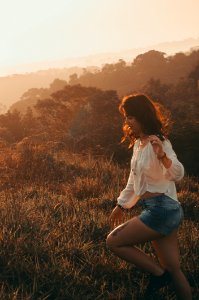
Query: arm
[
  {"x": 123, "y": 202},
  {"x": 126, "y": 196},
  {"x": 174, "y": 168}
]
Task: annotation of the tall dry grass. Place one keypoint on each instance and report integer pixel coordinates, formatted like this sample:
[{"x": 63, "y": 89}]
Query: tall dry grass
[{"x": 54, "y": 223}]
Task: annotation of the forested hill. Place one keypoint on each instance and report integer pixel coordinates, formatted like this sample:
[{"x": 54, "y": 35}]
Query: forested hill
[
  {"x": 14, "y": 86},
  {"x": 153, "y": 64},
  {"x": 72, "y": 112}
]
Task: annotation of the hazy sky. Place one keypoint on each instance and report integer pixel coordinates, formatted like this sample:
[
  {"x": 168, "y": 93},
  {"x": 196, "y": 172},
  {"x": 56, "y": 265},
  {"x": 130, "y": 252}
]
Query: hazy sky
[{"x": 42, "y": 30}]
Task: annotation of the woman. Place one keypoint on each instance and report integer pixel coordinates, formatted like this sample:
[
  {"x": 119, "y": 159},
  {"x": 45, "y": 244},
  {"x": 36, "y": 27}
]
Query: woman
[{"x": 151, "y": 184}]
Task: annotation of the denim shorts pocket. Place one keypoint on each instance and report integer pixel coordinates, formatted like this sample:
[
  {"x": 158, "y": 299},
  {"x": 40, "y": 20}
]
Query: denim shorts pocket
[{"x": 174, "y": 216}]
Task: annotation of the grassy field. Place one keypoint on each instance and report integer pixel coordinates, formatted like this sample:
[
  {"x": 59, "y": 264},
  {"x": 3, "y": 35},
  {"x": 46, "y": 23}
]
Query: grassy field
[{"x": 54, "y": 223}]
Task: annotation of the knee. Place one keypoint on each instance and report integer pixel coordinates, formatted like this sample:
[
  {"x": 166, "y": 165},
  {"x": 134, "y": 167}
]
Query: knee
[{"x": 111, "y": 243}]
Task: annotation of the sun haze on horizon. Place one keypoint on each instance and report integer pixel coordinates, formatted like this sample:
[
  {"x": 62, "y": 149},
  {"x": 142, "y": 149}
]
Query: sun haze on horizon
[{"x": 47, "y": 30}]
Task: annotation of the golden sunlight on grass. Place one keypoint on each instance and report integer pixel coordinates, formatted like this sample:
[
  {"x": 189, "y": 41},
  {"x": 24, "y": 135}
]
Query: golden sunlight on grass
[{"x": 53, "y": 234}]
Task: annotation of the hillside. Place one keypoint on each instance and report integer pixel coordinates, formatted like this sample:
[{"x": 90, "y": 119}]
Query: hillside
[
  {"x": 54, "y": 228},
  {"x": 153, "y": 64},
  {"x": 14, "y": 86},
  {"x": 72, "y": 114},
  {"x": 125, "y": 78}
]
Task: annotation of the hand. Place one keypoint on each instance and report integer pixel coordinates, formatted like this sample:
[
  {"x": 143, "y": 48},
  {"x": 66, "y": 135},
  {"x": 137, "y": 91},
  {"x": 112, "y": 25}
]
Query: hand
[
  {"x": 116, "y": 216},
  {"x": 157, "y": 145}
]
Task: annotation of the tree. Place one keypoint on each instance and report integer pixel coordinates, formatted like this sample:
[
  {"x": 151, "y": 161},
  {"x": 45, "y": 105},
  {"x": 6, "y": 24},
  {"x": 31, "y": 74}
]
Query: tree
[
  {"x": 195, "y": 76},
  {"x": 57, "y": 85},
  {"x": 11, "y": 122},
  {"x": 29, "y": 123},
  {"x": 73, "y": 78}
]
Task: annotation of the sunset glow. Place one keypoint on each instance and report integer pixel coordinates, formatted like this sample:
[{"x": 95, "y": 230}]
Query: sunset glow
[{"x": 33, "y": 31}]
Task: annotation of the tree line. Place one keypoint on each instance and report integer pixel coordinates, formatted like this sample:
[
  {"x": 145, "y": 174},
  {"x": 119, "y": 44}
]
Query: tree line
[{"x": 86, "y": 118}]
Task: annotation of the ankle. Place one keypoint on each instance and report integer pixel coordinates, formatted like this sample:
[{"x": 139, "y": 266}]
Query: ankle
[{"x": 157, "y": 282}]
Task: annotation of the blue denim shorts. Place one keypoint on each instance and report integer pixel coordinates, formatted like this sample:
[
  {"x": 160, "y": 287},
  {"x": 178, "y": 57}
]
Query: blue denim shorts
[{"x": 161, "y": 213}]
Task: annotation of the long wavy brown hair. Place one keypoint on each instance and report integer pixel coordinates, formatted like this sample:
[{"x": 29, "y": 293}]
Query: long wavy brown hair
[{"x": 153, "y": 117}]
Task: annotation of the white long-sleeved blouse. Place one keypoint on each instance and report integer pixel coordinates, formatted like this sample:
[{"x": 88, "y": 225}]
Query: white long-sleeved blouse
[{"x": 149, "y": 174}]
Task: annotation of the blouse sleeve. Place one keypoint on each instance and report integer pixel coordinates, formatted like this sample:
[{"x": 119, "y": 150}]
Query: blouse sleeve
[
  {"x": 125, "y": 198},
  {"x": 176, "y": 171}
]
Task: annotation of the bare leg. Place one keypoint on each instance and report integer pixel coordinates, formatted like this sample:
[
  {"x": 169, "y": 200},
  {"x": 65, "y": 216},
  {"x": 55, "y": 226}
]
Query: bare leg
[
  {"x": 122, "y": 239},
  {"x": 168, "y": 255}
]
